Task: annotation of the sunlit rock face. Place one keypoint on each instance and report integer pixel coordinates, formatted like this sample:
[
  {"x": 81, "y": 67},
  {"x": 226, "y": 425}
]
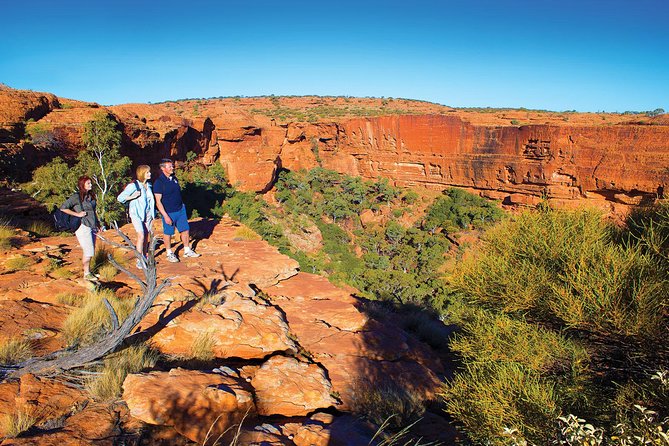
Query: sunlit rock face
[{"x": 518, "y": 156}]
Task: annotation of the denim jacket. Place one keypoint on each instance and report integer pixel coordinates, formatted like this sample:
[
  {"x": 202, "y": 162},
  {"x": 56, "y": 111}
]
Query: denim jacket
[{"x": 142, "y": 208}]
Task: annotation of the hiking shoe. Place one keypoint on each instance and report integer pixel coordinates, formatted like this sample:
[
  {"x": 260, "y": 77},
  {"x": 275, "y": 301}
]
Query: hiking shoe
[
  {"x": 91, "y": 278},
  {"x": 191, "y": 253},
  {"x": 171, "y": 257}
]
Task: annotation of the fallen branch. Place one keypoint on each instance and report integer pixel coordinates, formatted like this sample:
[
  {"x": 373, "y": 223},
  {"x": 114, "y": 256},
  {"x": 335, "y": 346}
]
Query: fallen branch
[{"x": 67, "y": 359}]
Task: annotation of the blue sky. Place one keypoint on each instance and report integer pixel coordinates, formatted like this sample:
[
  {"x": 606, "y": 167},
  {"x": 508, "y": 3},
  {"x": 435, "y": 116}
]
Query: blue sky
[{"x": 587, "y": 55}]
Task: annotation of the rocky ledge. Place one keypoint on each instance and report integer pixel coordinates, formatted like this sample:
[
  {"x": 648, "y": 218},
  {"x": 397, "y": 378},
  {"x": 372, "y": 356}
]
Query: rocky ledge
[{"x": 289, "y": 352}]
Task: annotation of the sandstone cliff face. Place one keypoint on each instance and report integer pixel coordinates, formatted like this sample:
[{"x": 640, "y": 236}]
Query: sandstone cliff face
[
  {"x": 621, "y": 163},
  {"x": 567, "y": 158},
  {"x": 559, "y": 162}
]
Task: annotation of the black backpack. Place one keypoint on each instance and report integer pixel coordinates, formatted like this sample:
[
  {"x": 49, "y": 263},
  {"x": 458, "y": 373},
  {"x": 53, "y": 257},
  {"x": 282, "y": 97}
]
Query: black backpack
[{"x": 66, "y": 222}]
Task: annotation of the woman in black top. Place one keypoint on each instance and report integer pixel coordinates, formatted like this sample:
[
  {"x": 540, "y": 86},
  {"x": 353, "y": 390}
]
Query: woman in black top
[{"x": 82, "y": 204}]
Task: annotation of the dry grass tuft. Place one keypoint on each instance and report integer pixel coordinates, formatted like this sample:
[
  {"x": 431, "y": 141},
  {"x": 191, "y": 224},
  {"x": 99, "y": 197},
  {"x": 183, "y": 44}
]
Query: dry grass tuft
[
  {"x": 107, "y": 272},
  {"x": 87, "y": 323},
  {"x": 203, "y": 346},
  {"x": 15, "y": 424},
  {"x": 108, "y": 385},
  {"x": 7, "y": 233},
  {"x": 18, "y": 263},
  {"x": 70, "y": 299},
  {"x": 387, "y": 402},
  {"x": 61, "y": 273},
  {"x": 244, "y": 233},
  {"x": 41, "y": 228},
  {"x": 15, "y": 350},
  {"x": 101, "y": 258}
]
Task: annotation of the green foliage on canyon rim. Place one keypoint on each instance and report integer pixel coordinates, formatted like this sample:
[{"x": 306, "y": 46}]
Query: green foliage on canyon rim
[
  {"x": 101, "y": 160},
  {"x": 560, "y": 312}
]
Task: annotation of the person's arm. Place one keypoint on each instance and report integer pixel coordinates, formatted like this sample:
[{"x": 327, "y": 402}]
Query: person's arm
[
  {"x": 161, "y": 209},
  {"x": 69, "y": 203},
  {"x": 129, "y": 193}
]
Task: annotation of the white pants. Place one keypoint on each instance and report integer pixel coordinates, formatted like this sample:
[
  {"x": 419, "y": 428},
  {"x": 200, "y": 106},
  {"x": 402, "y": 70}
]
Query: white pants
[
  {"x": 142, "y": 227},
  {"x": 86, "y": 238}
]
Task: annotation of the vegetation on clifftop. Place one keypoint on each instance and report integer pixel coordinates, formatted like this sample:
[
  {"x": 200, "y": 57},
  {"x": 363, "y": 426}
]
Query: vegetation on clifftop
[{"x": 561, "y": 313}]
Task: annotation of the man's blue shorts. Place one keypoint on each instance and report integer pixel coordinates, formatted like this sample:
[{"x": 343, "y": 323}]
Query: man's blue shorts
[{"x": 179, "y": 219}]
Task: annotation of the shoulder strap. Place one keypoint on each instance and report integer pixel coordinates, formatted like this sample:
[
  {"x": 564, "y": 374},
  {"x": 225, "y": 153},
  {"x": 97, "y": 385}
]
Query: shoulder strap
[{"x": 137, "y": 185}]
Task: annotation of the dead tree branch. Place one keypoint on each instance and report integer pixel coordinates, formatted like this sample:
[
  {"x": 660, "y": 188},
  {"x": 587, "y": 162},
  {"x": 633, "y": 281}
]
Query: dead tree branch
[{"x": 68, "y": 359}]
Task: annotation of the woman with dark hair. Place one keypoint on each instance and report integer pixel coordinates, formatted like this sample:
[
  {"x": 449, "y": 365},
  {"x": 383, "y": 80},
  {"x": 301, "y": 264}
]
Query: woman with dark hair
[{"x": 82, "y": 204}]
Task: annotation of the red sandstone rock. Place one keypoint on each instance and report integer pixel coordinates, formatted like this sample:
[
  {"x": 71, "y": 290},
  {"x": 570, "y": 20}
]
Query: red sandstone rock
[
  {"x": 352, "y": 348},
  {"x": 39, "y": 322},
  {"x": 197, "y": 404},
  {"x": 238, "y": 327},
  {"x": 285, "y": 386}
]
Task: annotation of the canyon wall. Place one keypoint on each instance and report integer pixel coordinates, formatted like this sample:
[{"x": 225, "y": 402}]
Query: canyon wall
[
  {"x": 599, "y": 158},
  {"x": 620, "y": 162},
  {"x": 566, "y": 164}
]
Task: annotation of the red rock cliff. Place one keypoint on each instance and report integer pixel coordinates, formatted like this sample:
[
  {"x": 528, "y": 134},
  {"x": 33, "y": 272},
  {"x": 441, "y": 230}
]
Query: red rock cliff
[
  {"x": 561, "y": 162},
  {"x": 565, "y": 157}
]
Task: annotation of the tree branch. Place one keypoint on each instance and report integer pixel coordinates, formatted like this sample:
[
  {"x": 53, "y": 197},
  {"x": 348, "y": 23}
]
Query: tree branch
[{"x": 68, "y": 359}]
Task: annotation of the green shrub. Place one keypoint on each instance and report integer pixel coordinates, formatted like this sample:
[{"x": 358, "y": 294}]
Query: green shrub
[
  {"x": 489, "y": 397},
  {"x": 457, "y": 210},
  {"x": 488, "y": 337},
  {"x": 560, "y": 301},
  {"x": 565, "y": 267}
]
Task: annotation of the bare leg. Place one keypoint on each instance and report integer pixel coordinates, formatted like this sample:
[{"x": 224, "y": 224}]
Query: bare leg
[
  {"x": 184, "y": 239},
  {"x": 167, "y": 239},
  {"x": 87, "y": 265},
  {"x": 141, "y": 244}
]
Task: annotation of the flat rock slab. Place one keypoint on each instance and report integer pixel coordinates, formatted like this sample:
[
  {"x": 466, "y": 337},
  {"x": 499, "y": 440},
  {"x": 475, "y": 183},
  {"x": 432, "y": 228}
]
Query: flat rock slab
[
  {"x": 239, "y": 327},
  {"x": 286, "y": 386},
  {"x": 36, "y": 321},
  {"x": 195, "y": 403}
]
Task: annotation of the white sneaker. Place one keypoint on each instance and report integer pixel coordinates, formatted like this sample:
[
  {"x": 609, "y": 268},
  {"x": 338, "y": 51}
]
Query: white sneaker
[
  {"x": 171, "y": 257},
  {"x": 190, "y": 253}
]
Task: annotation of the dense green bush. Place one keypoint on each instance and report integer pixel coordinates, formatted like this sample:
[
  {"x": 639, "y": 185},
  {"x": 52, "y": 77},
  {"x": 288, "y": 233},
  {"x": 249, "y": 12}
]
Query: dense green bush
[
  {"x": 560, "y": 313},
  {"x": 457, "y": 210}
]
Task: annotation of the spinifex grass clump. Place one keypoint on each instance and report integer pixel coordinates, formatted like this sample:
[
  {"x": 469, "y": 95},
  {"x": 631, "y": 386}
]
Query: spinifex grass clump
[
  {"x": 560, "y": 313},
  {"x": 41, "y": 228},
  {"x": 15, "y": 350},
  {"x": 18, "y": 263},
  {"x": 85, "y": 324},
  {"x": 101, "y": 264},
  {"x": 22, "y": 419},
  {"x": 117, "y": 366},
  {"x": 7, "y": 232}
]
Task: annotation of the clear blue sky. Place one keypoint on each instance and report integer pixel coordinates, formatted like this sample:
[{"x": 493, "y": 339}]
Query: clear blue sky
[{"x": 588, "y": 55}]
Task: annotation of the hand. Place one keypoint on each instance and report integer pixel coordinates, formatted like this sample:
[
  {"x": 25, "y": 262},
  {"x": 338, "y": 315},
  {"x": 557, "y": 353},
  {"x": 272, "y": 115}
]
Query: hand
[
  {"x": 168, "y": 220},
  {"x": 134, "y": 195},
  {"x": 81, "y": 214}
]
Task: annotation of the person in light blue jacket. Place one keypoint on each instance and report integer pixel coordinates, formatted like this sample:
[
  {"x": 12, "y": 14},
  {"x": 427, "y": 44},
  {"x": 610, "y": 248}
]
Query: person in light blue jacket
[{"x": 142, "y": 207}]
